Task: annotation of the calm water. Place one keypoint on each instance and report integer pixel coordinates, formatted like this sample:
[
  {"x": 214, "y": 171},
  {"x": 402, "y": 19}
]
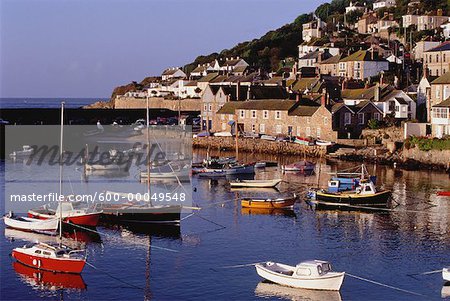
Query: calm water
[
  {"x": 46, "y": 103},
  {"x": 382, "y": 247}
]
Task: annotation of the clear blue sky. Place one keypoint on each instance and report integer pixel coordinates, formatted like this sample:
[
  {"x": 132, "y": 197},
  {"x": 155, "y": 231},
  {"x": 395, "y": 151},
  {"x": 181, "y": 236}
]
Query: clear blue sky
[{"x": 84, "y": 48}]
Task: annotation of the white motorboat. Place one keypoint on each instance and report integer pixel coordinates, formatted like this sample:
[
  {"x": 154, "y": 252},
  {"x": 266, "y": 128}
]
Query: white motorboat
[
  {"x": 223, "y": 134},
  {"x": 446, "y": 273},
  {"x": 260, "y": 164},
  {"x": 31, "y": 224},
  {"x": 268, "y": 137},
  {"x": 255, "y": 183},
  {"x": 301, "y": 166},
  {"x": 25, "y": 152},
  {"x": 313, "y": 274}
]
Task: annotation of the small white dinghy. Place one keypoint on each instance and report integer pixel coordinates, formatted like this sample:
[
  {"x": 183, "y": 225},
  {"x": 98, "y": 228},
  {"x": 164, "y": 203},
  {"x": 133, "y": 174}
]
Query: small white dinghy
[
  {"x": 313, "y": 274},
  {"x": 31, "y": 224},
  {"x": 446, "y": 273},
  {"x": 255, "y": 183}
]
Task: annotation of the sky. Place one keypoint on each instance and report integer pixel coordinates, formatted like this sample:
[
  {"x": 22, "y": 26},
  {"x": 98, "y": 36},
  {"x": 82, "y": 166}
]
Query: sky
[{"x": 85, "y": 48}]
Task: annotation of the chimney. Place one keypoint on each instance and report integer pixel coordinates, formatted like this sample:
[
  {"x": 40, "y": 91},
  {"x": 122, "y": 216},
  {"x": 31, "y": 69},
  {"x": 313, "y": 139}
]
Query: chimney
[
  {"x": 386, "y": 14},
  {"x": 297, "y": 97},
  {"x": 439, "y": 12},
  {"x": 425, "y": 72},
  {"x": 377, "y": 93},
  {"x": 323, "y": 99},
  {"x": 238, "y": 87},
  {"x": 381, "y": 78}
]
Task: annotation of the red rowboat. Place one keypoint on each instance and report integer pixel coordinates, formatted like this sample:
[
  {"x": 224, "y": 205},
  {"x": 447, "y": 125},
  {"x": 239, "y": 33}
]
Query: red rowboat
[
  {"x": 48, "y": 257},
  {"x": 49, "y": 280},
  {"x": 443, "y": 193},
  {"x": 70, "y": 214}
]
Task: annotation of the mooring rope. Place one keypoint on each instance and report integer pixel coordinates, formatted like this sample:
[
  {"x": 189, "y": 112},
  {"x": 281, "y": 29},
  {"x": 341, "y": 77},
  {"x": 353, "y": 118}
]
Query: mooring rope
[
  {"x": 114, "y": 277},
  {"x": 365, "y": 207},
  {"x": 106, "y": 234},
  {"x": 239, "y": 265},
  {"x": 426, "y": 273},
  {"x": 385, "y": 285}
]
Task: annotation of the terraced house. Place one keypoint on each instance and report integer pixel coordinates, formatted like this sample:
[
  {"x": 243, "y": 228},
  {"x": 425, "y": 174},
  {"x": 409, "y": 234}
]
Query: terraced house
[{"x": 361, "y": 65}]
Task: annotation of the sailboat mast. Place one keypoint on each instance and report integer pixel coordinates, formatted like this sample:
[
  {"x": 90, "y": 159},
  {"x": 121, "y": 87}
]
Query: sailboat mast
[
  {"x": 61, "y": 136},
  {"x": 148, "y": 155},
  {"x": 236, "y": 134}
]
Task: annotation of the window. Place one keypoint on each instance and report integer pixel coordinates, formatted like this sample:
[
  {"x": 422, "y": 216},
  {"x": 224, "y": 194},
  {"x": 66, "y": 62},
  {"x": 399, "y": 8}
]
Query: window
[
  {"x": 210, "y": 107},
  {"x": 289, "y": 130},
  {"x": 308, "y": 131},
  {"x": 205, "y": 107},
  {"x": 360, "y": 118},
  {"x": 397, "y": 108},
  {"x": 368, "y": 189},
  {"x": 253, "y": 128},
  {"x": 298, "y": 131},
  {"x": 242, "y": 113},
  {"x": 437, "y": 58},
  {"x": 438, "y": 93},
  {"x": 278, "y": 129},
  {"x": 37, "y": 251},
  {"x": 347, "y": 118},
  {"x": 308, "y": 120},
  {"x": 376, "y": 116},
  {"x": 318, "y": 132},
  {"x": 47, "y": 253},
  {"x": 325, "y": 121},
  {"x": 443, "y": 57},
  {"x": 253, "y": 114},
  {"x": 266, "y": 114},
  {"x": 224, "y": 126},
  {"x": 277, "y": 115},
  {"x": 262, "y": 128},
  {"x": 391, "y": 105},
  {"x": 222, "y": 117}
]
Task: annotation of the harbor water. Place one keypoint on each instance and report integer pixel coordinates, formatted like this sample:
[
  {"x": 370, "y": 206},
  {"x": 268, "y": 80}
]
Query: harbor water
[{"x": 190, "y": 262}]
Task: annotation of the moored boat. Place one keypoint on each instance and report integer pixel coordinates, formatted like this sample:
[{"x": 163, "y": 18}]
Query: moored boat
[
  {"x": 136, "y": 213},
  {"x": 25, "y": 152},
  {"x": 313, "y": 274},
  {"x": 365, "y": 196},
  {"x": 31, "y": 224},
  {"x": 55, "y": 258},
  {"x": 255, "y": 183},
  {"x": 443, "y": 193},
  {"x": 446, "y": 273},
  {"x": 301, "y": 166},
  {"x": 240, "y": 169},
  {"x": 71, "y": 213},
  {"x": 279, "y": 203}
]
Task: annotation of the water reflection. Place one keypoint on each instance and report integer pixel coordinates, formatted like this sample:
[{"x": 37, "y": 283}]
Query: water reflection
[
  {"x": 49, "y": 281},
  {"x": 271, "y": 290}
]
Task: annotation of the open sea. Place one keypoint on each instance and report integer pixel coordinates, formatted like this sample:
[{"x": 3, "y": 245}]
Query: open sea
[
  {"x": 190, "y": 262},
  {"x": 46, "y": 103}
]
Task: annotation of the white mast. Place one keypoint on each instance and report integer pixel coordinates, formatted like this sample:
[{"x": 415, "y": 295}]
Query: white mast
[{"x": 61, "y": 169}]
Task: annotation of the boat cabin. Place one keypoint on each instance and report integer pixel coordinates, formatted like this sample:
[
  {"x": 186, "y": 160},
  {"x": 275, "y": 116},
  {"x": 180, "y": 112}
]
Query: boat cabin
[
  {"x": 337, "y": 184},
  {"x": 366, "y": 187},
  {"x": 312, "y": 268}
]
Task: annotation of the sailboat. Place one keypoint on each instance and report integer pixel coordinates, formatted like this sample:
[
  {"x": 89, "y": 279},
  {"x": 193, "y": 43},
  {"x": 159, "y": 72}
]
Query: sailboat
[
  {"x": 53, "y": 257},
  {"x": 136, "y": 211}
]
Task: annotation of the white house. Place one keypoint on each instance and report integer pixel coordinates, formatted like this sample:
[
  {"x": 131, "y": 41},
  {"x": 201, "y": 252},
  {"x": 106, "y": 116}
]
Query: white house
[
  {"x": 409, "y": 20},
  {"x": 421, "y": 47},
  {"x": 440, "y": 119},
  {"x": 353, "y": 6},
  {"x": 231, "y": 63},
  {"x": 173, "y": 73},
  {"x": 137, "y": 94},
  {"x": 397, "y": 102},
  {"x": 305, "y": 49},
  {"x": 313, "y": 58},
  {"x": 383, "y": 3},
  {"x": 393, "y": 59},
  {"x": 313, "y": 29},
  {"x": 361, "y": 65}
]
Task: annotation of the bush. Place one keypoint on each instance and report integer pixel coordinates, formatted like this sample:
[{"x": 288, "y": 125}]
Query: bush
[
  {"x": 373, "y": 124},
  {"x": 425, "y": 144}
]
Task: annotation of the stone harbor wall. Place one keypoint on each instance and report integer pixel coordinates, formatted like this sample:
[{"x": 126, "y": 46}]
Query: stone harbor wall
[
  {"x": 259, "y": 146},
  {"x": 158, "y": 103}
]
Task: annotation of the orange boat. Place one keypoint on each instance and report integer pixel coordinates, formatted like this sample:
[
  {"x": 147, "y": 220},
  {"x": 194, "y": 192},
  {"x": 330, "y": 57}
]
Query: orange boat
[{"x": 280, "y": 203}]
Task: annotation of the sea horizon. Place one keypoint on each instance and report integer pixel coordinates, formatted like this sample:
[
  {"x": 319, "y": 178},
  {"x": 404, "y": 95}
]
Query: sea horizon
[{"x": 47, "y": 102}]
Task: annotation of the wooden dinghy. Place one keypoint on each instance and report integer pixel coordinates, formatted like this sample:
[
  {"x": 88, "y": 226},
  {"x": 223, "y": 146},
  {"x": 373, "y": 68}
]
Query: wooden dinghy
[
  {"x": 255, "y": 183},
  {"x": 280, "y": 203},
  {"x": 30, "y": 224}
]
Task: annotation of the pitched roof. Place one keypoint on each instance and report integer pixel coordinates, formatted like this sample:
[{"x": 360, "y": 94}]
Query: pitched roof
[
  {"x": 364, "y": 93},
  {"x": 442, "y": 47},
  {"x": 315, "y": 54},
  {"x": 306, "y": 83},
  {"x": 267, "y": 104},
  {"x": 332, "y": 60},
  {"x": 444, "y": 79},
  {"x": 170, "y": 71},
  {"x": 401, "y": 100},
  {"x": 361, "y": 55},
  {"x": 361, "y": 105},
  {"x": 239, "y": 68},
  {"x": 201, "y": 68},
  {"x": 302, "y": 110},
  {"x": 209, "y": 77},
  {"x": 445, "y": 103},
  {"x": 192, "y": 83},
  {"x": 337, "y": 106},
  {"x": 220, "y": 79},
  {"x": 231, "y": 62},
  {"x": 229, "y": 107}
]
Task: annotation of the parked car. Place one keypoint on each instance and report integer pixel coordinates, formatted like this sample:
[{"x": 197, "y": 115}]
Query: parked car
[
  {"x": 268, "y": 137},
  {"x": 250, "y": 135}
]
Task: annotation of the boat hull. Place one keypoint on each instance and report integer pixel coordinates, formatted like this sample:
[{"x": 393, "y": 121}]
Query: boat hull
[
  {"x": 255, "y": 184},
  {"x": 116, "y": 214},
  {"x": 443, "y": 193},
  {"x": 88, "y": 219},
  {"x": 327, "y": 200},
  {"x": 267, "y": 204},
  {"x": 32, "y": 224},
  {"x": 74, "y": 266},
  {"x": 331, "y": 283}
]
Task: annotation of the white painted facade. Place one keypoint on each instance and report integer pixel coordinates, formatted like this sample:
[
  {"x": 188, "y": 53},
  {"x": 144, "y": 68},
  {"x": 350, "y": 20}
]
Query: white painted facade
[
  {"x": 313, "y": 29},
  {"x": 383, "y": 3},
  {"x": 390, "y": 104},
  {"x": 440, "y": 121}
]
